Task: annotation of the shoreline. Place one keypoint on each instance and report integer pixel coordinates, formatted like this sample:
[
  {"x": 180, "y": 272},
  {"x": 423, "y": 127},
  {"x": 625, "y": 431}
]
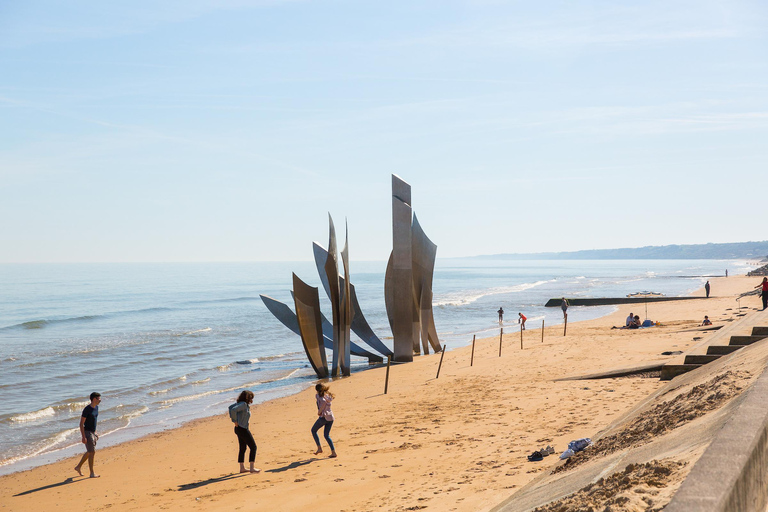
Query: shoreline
[
  {"x": 124, "y": 435},
  {"x": 415, "y": 410}
]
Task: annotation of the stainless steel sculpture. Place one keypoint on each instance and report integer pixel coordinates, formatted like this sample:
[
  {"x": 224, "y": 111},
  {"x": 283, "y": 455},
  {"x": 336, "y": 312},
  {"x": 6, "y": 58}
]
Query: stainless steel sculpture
[
  {"x": 408, "y": 279},
  {"x": 408, "y": 297},
  {"x": 310, "y": 325}
]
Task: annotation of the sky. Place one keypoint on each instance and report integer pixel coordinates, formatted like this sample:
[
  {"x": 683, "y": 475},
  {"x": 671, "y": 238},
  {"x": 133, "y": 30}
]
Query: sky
[{"x": 228, "y": 130}]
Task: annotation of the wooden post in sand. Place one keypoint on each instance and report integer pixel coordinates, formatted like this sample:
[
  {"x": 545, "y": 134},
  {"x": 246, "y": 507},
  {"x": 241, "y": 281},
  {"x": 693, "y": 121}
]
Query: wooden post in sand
[
  {"x": 472, "y": 359},
  {"x": 441, "y": 362},
  {"x": 542, "y": 330},
  {"x": 386, "y": 379},
  {"x": 521, "y": 339},
  {"x": 501, "y": 335},
  {"x": 565, "y": 325}
]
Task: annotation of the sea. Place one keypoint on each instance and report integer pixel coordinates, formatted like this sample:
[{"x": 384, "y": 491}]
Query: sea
[{"x": 168, "y": 343}]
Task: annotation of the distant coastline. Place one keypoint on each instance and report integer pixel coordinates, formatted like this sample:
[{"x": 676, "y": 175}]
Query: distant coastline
[{"x": 757, "y": 251}]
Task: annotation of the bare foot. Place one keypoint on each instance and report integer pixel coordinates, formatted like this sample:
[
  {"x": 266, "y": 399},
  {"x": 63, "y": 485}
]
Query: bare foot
[
  {"x": 77, "y": 468},
  {"x": 95, "y": 475},
  {"x": 319, "y": 451},
  {"x": 333, "y": 455},
  {"x": 244, "y": 471},
  {"x": 257, "y": 470}
]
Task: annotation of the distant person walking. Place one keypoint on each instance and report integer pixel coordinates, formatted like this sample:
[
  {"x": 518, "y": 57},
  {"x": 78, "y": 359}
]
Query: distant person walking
[
  {"x": 501, "y": 314},
  {"x": 564, "y": 307},
  {"x": 325, "y": 418},
  {"x": 706, "y": 288},
  {"x": 88, "y": 433},
  {"x": 726, "y": 272},
  {"x": 764, "y": 292},
  {"x": 240, "y": 414},
  {"x": 521, "y": 321}
]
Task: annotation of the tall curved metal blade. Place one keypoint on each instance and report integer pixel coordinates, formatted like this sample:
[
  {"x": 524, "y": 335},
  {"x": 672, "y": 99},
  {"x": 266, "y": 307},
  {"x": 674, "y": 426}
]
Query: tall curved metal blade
[
  {"x": 424, "y": 252},
  {"x": 345, "y": 306},
  {"x": 332, "y": 273},
  {"x": 308, "y": 314},
  {"x": 402, "y": 312}
]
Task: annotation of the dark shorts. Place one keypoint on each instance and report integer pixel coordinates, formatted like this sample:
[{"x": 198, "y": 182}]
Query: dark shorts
[{"x": 90, "y": 441}]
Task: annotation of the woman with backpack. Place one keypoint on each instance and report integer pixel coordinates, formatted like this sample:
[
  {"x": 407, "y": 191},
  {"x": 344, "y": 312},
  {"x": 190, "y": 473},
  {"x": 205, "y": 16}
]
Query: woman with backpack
[
  {"x": 325, "y": 418},
  {"x": 240, "y": 413}
]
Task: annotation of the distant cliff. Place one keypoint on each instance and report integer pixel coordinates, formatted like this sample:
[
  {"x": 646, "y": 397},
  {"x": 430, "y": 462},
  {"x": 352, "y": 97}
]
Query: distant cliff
[{"x": 741, "y": 250}]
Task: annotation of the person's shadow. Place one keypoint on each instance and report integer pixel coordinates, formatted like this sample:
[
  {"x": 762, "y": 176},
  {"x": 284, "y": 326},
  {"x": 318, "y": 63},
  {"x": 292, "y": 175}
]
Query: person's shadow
[
  {"x": 293, "y": 465},
  {"x": 195, "y": 485},
  {"x": 51, "y": 486}
]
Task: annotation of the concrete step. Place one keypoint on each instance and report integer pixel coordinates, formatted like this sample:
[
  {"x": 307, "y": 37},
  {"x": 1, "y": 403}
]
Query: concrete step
[
  {"x": 721, "y": 350},
  {"x": 760, "y": 331},
  {"x": 670, "y": 371},
  {"x": 701, "y": 359},
  {"x": 745, "y": 340}
]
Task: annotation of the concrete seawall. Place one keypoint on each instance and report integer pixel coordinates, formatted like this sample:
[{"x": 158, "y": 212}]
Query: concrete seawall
[
  {"x": 609, "y": 301},
  {"x": 732, "y": 474}
]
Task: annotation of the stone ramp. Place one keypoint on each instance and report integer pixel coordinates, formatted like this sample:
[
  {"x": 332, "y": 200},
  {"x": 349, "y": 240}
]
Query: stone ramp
[{"x": 688, "y": 441}]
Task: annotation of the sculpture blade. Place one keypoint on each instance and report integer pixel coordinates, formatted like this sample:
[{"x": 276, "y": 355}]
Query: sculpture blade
[
  {"x": 308, "y": 315},
  {"x": 402, "y": 273},
  {"x": 332, "y": 274}
]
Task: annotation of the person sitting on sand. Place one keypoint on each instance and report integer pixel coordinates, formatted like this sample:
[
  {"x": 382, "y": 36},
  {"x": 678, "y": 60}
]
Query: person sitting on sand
[
  {"x": 521, "y": 321},
  {"x": 635, "y": 324},
  {"x": 630, "y": 318},
  {"x": 240, "y": 414},
  {"x": 325, "y": 418},
  {"x": 706, "y": 321}
]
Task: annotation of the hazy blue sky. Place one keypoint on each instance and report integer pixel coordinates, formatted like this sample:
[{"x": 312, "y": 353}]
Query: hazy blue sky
[{"x": 215, "y": 130}]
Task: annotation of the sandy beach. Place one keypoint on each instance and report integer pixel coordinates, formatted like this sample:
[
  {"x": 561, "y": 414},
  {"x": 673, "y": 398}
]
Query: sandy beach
[{"x": 454, "y": 443}]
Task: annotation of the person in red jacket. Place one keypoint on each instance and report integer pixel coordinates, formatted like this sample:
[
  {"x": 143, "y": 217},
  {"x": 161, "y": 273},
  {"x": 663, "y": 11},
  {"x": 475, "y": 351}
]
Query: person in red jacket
[
  {"x": 521, "y": 321},
  {"x": 764, "y": 293}
]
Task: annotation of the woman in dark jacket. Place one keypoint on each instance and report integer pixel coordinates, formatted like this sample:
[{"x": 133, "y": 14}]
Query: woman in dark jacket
[{"x": 240, "y": 414}]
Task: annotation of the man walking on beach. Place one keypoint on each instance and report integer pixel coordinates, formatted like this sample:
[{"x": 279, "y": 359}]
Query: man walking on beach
[
  {"x": 501, "y": 314},
  {"x": 706, "y": 288},
  {"x": 88, "y": 433},
  {"x": 521, "y": 321},
  {"x": 564, "y": 307}
]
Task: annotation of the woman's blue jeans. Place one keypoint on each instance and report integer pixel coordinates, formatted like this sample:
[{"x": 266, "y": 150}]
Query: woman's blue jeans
[{"x": 322, "y": 422}]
